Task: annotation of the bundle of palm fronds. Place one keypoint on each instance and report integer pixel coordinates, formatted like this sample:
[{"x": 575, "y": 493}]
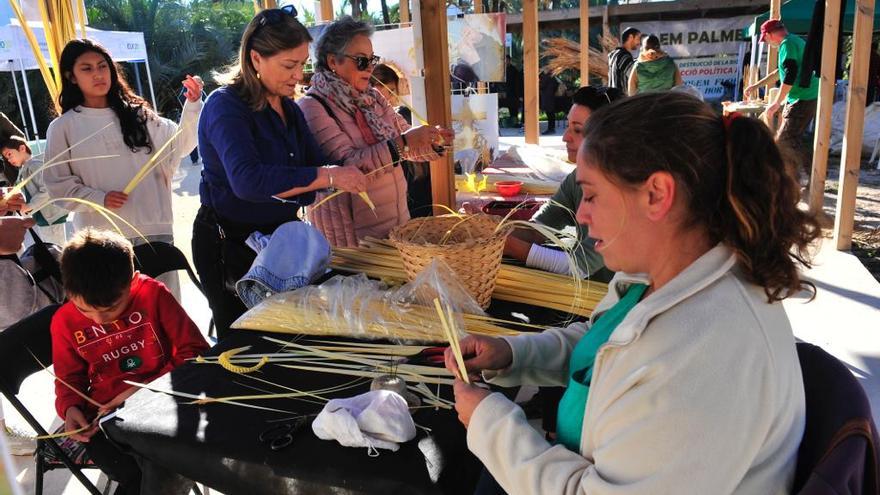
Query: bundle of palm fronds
[
  {"x": 565, "y": 54},
  {"x": 378, "y": 258}
]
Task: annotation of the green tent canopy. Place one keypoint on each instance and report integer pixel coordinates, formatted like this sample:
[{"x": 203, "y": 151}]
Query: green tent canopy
[{"x": 798, "y": 15}]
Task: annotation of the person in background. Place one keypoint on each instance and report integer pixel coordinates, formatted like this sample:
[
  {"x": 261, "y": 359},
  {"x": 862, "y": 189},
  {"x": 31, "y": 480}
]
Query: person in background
[
  {"x": 116, "y": 326},
  {"x": 513, "y": 91},
  {"x": 418, "y": 174},
  {"x": 181, "y": 97},
  {"x": 620, "y": 60},
  {"x": 260, "y": 161},
  {"x": 7, "y": 130},
  {"x": 654, "y": 70},
  {"x": 873, "y": 75},
  {"x": 51, "y": 219},
  {"x": 799, "y": 101},
  {"x": 356, "y": 126},
  {"x": 558, "y": 213},
  {"x": 548, "y": 85},
  {"x": 101, "y": 113},
  {"x": 686, "y": 379},
  {"x": 12, "y": 232}
]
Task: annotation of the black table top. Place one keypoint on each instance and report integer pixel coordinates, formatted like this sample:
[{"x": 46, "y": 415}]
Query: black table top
[{"x": 217, "y": 444}]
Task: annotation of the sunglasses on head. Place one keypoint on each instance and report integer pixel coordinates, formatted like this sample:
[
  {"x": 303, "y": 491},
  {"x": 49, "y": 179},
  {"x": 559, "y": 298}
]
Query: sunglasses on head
[
  {"x": 274, "y": 16},
  {"x": 364, "y": 62},
  {"x": 270, "y": 17}
]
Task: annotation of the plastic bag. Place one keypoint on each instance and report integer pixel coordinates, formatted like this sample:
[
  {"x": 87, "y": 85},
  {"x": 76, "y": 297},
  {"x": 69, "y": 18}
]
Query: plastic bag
[{"x": 359, "y": 307}]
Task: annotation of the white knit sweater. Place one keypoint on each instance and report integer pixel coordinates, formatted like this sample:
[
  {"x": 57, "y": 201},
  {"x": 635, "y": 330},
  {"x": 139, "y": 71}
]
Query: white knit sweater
[{"x": 149, "y": 205}]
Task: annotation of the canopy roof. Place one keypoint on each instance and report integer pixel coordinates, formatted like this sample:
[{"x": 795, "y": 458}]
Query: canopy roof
[{"x": 798, "y": 15}]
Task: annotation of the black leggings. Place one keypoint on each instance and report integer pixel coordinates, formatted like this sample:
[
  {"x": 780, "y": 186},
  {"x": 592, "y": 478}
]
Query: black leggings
[
  {"x": 116, "y": 464},
  {"x": 217, "y": 258}
]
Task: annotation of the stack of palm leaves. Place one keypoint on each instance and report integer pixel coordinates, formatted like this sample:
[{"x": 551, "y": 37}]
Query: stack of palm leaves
[
  {"x": 380, "y": 259},
  {"x": 362, "y": 308}
]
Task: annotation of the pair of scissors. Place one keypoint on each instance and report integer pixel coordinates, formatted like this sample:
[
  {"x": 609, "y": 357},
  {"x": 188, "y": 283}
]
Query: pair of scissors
[
  {"x": 429, "y": 356},
  {"x": 281, "y": 435}
]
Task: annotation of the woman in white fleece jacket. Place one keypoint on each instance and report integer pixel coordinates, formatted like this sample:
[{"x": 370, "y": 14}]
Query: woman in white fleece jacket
[
  {"x": 686, "y": 378},
  {"x": 95, "y": 94}
]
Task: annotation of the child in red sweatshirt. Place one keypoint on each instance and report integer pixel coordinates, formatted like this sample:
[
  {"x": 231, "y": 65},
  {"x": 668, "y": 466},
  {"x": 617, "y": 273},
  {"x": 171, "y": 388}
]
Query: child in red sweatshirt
[{"x": 117, "y": 325}]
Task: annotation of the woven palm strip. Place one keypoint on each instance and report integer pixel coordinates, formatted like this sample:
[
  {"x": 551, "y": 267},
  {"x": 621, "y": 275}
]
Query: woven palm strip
[{"x": 472, "y": 246}]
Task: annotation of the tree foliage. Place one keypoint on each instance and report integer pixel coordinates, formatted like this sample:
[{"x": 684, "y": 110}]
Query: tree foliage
[{"x": 197, "y": 37}]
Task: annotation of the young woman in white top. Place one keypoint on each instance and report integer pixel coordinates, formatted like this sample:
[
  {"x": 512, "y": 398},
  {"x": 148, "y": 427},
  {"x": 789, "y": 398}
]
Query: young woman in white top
[
  {"x": 686, "y": 378},
  {"x": 94, "y": 93}
]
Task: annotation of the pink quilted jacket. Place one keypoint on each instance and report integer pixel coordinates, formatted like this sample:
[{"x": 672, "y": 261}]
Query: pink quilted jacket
[{"x": 346, "y": 218}]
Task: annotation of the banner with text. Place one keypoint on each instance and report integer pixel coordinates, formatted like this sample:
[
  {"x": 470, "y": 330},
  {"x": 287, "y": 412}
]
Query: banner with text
[
  {"x": 715, "y": 77},
  {"x": 696, "y": 37}
]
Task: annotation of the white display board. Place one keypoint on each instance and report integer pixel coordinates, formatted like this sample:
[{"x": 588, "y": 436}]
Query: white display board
[{"x": 475, "y": 122}]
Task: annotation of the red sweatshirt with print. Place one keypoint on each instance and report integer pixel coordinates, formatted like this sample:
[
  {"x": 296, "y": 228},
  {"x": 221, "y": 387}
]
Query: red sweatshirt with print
[{"x": 152, "y": 336}]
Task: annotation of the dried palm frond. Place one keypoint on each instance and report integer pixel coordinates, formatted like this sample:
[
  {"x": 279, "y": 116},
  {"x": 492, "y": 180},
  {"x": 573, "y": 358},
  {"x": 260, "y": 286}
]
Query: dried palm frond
[
  {"x": 152, "y": 163},
  {"x": 565, "y": 54}
]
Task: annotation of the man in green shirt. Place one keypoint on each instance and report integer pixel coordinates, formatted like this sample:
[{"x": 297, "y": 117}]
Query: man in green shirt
[{"x": 799, "y": 101}]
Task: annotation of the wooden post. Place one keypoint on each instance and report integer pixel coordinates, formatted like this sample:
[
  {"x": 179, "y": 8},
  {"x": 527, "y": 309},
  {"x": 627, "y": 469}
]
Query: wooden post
[
  {"x": 851, "y": 155},
  {"x": 772, "y": 54},
  {"x": 585, "y": 42},
  {"x": 827, "y": 82},
  {"x": 478, "y": 6},
  {"x": 404, "y": 11},
  {"x": 530, "y": 70},
  {"x": 432, "y": 17},
  {"x": 327, "y": 10}
]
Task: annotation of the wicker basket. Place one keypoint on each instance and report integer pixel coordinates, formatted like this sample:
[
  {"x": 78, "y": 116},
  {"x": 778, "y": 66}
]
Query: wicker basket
[{"x": 470, "y": 245}]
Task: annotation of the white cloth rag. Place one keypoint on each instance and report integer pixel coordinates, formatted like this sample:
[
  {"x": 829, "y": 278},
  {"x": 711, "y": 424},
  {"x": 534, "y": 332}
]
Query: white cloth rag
[{"x": 376, "y": 419}]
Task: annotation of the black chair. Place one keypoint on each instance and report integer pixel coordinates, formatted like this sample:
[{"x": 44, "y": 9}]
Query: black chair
[
  {"x": 19, "y": 344},
  {"x": 155, "y": 258},
  {"x": 838, "y": 453}
]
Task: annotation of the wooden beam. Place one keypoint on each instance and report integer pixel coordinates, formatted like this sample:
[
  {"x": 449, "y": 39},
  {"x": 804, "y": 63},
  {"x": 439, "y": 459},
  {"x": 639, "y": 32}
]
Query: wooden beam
[
  {"x": 432, "y": 17},
  {"x": 327, "y": 10},
  {"x": 650, "y": 10},
  {"x": 851, "y": 155},
  {"x": 827, "y": 82},
  {"x": 404, "y": 11},
  {"x": 530, "y": 70},
  {"x": 585, "y": 42},
  {"x": 478, "y": 6},
  {"x": 772, "y": 51}
]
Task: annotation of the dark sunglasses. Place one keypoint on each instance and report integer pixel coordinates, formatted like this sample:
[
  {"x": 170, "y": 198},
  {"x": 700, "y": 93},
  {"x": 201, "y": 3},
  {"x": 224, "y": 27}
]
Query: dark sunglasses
[{"x": 364, "y": 62}]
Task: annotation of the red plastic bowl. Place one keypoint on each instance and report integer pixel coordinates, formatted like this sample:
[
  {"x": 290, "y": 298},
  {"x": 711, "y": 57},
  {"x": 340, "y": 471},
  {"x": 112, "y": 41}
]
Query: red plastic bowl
[{"x": 508, "y": 188}]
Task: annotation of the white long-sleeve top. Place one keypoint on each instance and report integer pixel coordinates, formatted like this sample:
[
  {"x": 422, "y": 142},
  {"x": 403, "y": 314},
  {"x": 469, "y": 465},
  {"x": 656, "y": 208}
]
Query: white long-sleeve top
[{"x": 148, "y": 207}]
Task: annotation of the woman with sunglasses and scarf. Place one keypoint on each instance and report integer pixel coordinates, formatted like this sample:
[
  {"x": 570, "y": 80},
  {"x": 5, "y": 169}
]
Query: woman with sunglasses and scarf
[
  {"x": 356, "y": 126},
  {"x": 261, "y": 163}
]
